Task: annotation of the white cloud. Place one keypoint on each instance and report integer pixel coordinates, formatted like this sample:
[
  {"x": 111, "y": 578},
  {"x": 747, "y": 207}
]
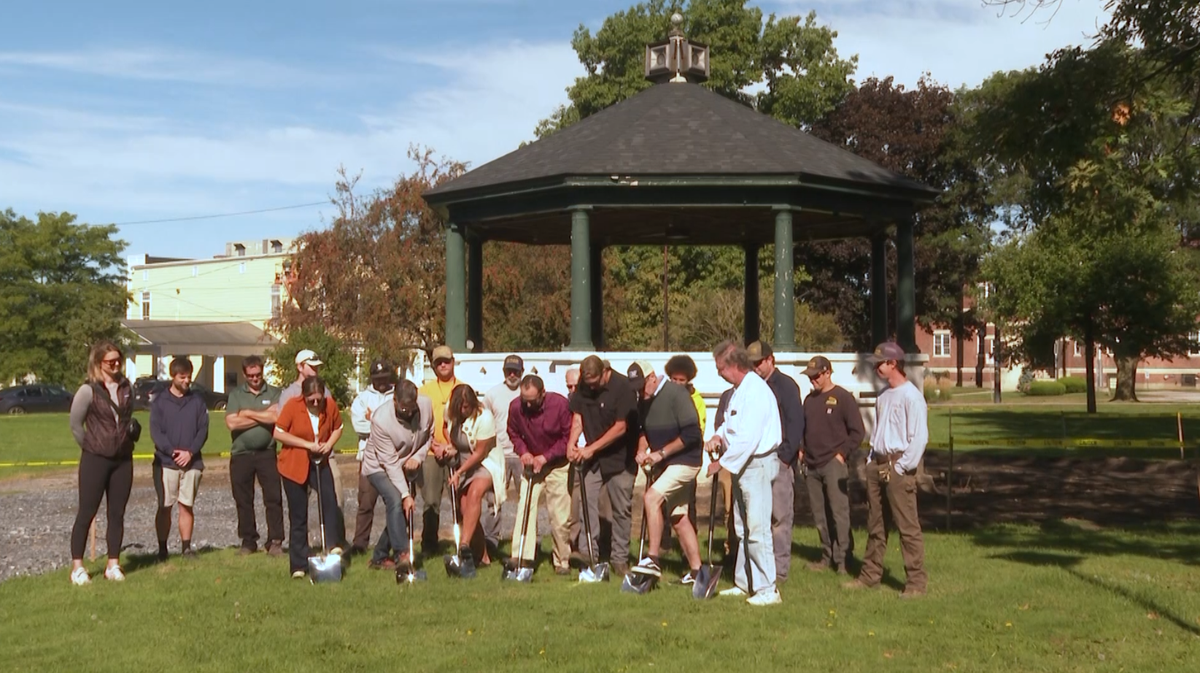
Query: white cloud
[
  {"x": 153, "y": 64},
  {"x": 957, "y": 41}
]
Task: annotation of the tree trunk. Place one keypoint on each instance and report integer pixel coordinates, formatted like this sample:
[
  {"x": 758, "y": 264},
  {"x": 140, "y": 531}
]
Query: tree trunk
[
  {"x": 981, "y": 357},
  {"x": 1126, "y": 380},
  {"x": 959, "y": 329},
  {"x": 1089, "y": 354}
]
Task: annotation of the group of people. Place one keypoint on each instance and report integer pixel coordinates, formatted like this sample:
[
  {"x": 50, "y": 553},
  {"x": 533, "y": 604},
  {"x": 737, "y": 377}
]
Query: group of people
[{"x": 444, "y": 436}]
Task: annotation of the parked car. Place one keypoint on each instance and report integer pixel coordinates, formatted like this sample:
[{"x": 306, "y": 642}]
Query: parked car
[
  {"x": 145, "y": 390},
  {"x": 34, "y": 398}
]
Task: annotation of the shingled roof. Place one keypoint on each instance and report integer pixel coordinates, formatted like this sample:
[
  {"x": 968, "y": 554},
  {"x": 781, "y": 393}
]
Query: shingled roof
[{"x": 680, "y": 129}]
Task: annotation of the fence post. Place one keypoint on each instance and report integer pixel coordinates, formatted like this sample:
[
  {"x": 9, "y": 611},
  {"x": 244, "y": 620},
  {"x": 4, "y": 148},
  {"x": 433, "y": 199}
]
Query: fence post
[
  {"x": 950, "y": 475},
  {"x": 1179, "y": 425}
]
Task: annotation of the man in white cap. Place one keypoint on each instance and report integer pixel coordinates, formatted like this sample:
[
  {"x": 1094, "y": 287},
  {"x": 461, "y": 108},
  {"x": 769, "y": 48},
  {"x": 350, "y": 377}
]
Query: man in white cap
[
  {"x": 897, "y": 446},
  {"x": 307, "y": 366},
  {"x": 383, "y": 381}
]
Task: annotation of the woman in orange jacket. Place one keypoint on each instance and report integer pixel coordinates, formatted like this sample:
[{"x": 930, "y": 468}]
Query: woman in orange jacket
[{"x": 308, "y": 427}]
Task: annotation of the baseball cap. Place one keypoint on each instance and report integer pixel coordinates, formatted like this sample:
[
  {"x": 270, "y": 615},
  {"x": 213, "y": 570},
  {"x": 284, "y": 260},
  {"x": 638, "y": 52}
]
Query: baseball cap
[
  {"x": 759, "y": 351},
  {"x": 639, "y": 370},
  {"x": 817, "y": 365},
  {"x": 888, "y": 350},
  {"x": 514, "y": 363},
  {"x": 381, "y": 368},
  {"x": 442, "y": 353},
  {"x": 308, "y": 356}
]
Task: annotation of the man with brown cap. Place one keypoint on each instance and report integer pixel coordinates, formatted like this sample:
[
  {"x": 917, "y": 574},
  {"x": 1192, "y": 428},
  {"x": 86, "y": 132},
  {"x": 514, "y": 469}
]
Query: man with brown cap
[
  {"x": 604, "y": 412},
  {"x": 783, "y": 486},
  {"x": 435, "y": 471},
  {"x": 833, "y": 429},
  {"x": 383, "y": 380},
  {"x": 497, "y": 400},
  {"x": 897, "y": 446}
]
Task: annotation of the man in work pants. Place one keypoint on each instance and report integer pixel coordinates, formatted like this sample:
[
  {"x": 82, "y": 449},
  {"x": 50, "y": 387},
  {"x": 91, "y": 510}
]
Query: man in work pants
[
  {"x": 748, "y": 441},
  {"x": 897, "y": 446},
  {"x": 375, "y": 396}
]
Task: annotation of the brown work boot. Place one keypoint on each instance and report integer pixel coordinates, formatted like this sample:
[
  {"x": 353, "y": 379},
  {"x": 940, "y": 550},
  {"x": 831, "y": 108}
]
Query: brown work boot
[
  {"x": 858, "y": 584},
  {"x": 275, "y": 548}
]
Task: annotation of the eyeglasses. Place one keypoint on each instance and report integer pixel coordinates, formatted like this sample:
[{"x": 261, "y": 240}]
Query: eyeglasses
[{"x": 111, "y": 361}]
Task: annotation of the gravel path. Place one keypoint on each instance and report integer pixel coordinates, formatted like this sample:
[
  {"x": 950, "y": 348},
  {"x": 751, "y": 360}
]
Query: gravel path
[{"x": 37, "y": 513}]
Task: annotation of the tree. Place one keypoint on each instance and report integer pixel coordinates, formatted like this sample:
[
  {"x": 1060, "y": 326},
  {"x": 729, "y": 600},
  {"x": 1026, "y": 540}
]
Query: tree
[
  {"x": 62, "y": 288},
  {"x": 1096, "y": 254},
  {"x": 338, "y": 363},
  {"x": 915, "y": 133},
  {"x": 375, "y": 278}
]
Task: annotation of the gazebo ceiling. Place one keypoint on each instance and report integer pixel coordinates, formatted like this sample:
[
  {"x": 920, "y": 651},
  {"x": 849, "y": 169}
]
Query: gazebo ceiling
[{"x": 677, "y": 156}]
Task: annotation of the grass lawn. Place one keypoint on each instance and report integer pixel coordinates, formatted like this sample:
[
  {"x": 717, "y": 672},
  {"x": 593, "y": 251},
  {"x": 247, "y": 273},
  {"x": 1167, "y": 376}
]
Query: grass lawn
[
  {"x": 1059, "y": 598},
  {"x": 47, "y": 437}
]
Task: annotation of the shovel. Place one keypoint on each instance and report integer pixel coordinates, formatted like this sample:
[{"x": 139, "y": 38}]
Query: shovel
[
  {"x": 710, "y": 575},
  {"x": 596, "y": 572},
  {"x": 637, "y": 583},
  {"x": 460, "y": 563},
  {"x": 323, "y": 567},
  {"x": 513, "y": 569},
  {"x": 407, "y": 573}
]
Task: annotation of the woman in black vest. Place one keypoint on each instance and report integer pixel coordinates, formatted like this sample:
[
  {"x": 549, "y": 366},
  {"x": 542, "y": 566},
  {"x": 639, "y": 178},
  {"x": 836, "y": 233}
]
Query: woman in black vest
[{"x": 103, "y": 426}]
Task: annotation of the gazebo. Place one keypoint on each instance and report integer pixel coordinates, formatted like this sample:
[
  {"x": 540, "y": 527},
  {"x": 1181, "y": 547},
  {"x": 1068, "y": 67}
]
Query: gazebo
[{"x": 677, "y": 164}]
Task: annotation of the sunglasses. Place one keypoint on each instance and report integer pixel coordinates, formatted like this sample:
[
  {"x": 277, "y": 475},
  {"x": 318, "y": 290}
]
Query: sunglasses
[{"x": 111, "y": 361}]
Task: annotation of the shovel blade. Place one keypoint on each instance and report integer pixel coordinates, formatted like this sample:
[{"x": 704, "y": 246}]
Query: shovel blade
[
  {"x": 706, "y": 582},
  {"x": 453, "y": 565},
  {"x": 515, "y": 572},
  {"x": 635, "y": 583},
  {"x": 594, "y": 574},
  {"x": 325, "y": 568}
]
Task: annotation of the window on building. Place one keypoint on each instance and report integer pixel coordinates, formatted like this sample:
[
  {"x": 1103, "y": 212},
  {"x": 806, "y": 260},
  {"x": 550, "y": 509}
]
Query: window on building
[
  {"x": 145, "y": 274},
  {"x": 989, "y": 350},
  {"x": 276, "y": 303},
  {"x": 145, "y": 305},
  {"x": 242, "y": 267},
  {"x": 1078, "y": 348},
  {"x": 195, "y": 271},
  {"x": 1192, "y": 352},
  {"x": 941, "y": 344}
]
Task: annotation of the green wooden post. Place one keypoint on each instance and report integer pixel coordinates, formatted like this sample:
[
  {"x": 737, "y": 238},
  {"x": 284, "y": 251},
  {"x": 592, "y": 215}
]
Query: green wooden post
[
  {"x": 597, "y": 290},
  {"x": 456, "y": 300},
  {"x": 581, "y": 280},
  {"x": 906, "y": 297},
  {"x": 785, "y": 289},
  {"x": 751, "y": 329},
  {"x": 879, "y": 299},
  {"x": 475, "y": 292}
]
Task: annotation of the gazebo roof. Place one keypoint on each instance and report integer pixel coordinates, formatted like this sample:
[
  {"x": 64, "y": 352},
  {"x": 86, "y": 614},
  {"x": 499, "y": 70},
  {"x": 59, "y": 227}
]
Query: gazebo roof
[
  {"x": 680, "y": 129},
  {"x": 680, "y": 156}
]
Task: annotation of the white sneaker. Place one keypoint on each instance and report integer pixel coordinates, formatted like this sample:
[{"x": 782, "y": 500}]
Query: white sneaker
[
  {"x": 734, "y": 591},
  {"x": 771, "y": 597},
  {"x": 114, "y": 573},
  {"x": 79, "y": 577}
]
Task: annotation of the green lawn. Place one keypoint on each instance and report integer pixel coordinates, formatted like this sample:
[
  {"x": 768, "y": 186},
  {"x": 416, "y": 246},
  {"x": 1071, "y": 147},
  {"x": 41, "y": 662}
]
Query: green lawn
[{"x": 1059, "y": 598}]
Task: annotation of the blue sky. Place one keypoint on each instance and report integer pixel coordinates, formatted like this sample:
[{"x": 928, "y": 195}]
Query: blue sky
[{"x": 127, "y": 111}]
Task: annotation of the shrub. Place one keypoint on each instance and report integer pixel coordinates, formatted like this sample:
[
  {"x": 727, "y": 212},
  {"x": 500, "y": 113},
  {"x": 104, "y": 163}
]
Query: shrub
[
  {"x": 945, "y": 389},
  {"x": 1046, "y": 388},
  {"x": 1074, "y": 384},
  {"x": 1025, "y": 380},
  {"x": 931, "y": 391}
]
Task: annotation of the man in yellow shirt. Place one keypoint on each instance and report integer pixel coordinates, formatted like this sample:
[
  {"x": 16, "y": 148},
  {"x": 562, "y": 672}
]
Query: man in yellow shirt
[{"x": 435, "y": 470}]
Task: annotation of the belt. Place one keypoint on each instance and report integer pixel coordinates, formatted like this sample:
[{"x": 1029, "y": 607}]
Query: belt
[{"x": 891, "y": 459}]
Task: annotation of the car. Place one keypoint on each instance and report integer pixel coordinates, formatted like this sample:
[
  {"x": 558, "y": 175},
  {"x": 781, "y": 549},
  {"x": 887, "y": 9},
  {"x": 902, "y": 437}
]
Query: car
[
  {"x": 145, "y": 390},
  {"x": 34, "y": 398}
]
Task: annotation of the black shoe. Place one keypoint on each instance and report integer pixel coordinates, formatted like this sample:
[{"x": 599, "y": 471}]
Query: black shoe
[
  {"x": 247, "y": 550},
  {"x": 189, "y": 554}
]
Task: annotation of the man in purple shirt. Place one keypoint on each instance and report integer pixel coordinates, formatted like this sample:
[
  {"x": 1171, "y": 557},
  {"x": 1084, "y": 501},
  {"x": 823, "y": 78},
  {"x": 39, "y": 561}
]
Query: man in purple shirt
[{"x": 538, "y": 425}]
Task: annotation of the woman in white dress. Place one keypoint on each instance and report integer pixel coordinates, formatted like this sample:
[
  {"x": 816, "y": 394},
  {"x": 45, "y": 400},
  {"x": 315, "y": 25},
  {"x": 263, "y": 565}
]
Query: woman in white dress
[{"x": 480, "y": 468}]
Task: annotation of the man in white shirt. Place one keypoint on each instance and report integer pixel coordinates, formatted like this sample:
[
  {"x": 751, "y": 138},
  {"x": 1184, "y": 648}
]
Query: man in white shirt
[
  {"x": 897, "y": 445},
  {"x": 383, "y": 379},
  {"x": 748, "y": 440}
]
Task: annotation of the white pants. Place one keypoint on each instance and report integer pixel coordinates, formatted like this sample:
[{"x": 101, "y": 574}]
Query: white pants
[{"x": 754, "y": 570}]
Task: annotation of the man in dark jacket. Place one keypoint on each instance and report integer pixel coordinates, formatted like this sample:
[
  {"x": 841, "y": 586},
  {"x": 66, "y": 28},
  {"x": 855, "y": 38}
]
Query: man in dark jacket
[
  {"x": 179, "y": 428},
  {"x": 783, "y": 488},
  {"x": 833, "y": 429}
]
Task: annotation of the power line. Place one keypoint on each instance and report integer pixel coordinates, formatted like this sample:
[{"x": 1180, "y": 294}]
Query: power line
[{"x": 212, "y": 217}]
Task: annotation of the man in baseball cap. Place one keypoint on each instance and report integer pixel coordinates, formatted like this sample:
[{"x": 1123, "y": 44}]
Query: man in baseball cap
[
  {"x": 897, "y": 446},
  {"x": 379, "y": 393},
  {"x": 435, "y": 470},
  {"x": 307, "y": 357},
  {"x": 307, "y": 363}
]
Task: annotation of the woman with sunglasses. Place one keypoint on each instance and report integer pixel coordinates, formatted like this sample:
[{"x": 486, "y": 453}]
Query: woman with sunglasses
[
  {"x": 101, "y": 420},
  {"x": 480, "y": 464},
  {"x": 309, "y": 426}
]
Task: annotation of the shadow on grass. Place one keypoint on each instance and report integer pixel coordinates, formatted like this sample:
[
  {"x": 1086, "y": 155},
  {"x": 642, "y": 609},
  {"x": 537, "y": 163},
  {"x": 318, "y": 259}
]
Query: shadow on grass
[{"x": 1068, "y": 563}]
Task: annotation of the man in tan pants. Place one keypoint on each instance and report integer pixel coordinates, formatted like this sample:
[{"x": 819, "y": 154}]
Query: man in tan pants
[{"x": 538, "y": 425}]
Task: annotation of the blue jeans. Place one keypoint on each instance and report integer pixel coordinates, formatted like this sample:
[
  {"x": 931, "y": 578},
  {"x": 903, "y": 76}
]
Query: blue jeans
[
  {"x": 754, "y": 571},
  {"x": 395, "y": 536}
]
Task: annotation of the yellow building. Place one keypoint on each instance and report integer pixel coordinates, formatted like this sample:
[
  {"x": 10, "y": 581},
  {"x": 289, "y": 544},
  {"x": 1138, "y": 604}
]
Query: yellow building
[{"x": 214, "y": 311}]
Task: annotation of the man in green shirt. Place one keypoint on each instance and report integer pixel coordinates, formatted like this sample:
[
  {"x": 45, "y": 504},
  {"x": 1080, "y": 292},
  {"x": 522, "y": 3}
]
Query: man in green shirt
[{"x": 250, "y": 416}]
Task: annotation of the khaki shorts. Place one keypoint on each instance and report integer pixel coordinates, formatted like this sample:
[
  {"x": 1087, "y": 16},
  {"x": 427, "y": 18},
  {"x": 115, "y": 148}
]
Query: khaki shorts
[
  {"x": 675, "y": 485},
  {"x": 173, "y": 486}
]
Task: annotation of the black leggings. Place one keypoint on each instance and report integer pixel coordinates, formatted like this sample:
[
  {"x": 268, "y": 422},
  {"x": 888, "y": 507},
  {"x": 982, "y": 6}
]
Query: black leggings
[{"x": 99, "y": 476}]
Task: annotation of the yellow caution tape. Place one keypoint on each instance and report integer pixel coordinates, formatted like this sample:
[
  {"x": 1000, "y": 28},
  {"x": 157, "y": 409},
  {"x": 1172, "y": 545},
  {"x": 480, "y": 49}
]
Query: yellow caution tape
[{"x": 136, "y": 456}]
